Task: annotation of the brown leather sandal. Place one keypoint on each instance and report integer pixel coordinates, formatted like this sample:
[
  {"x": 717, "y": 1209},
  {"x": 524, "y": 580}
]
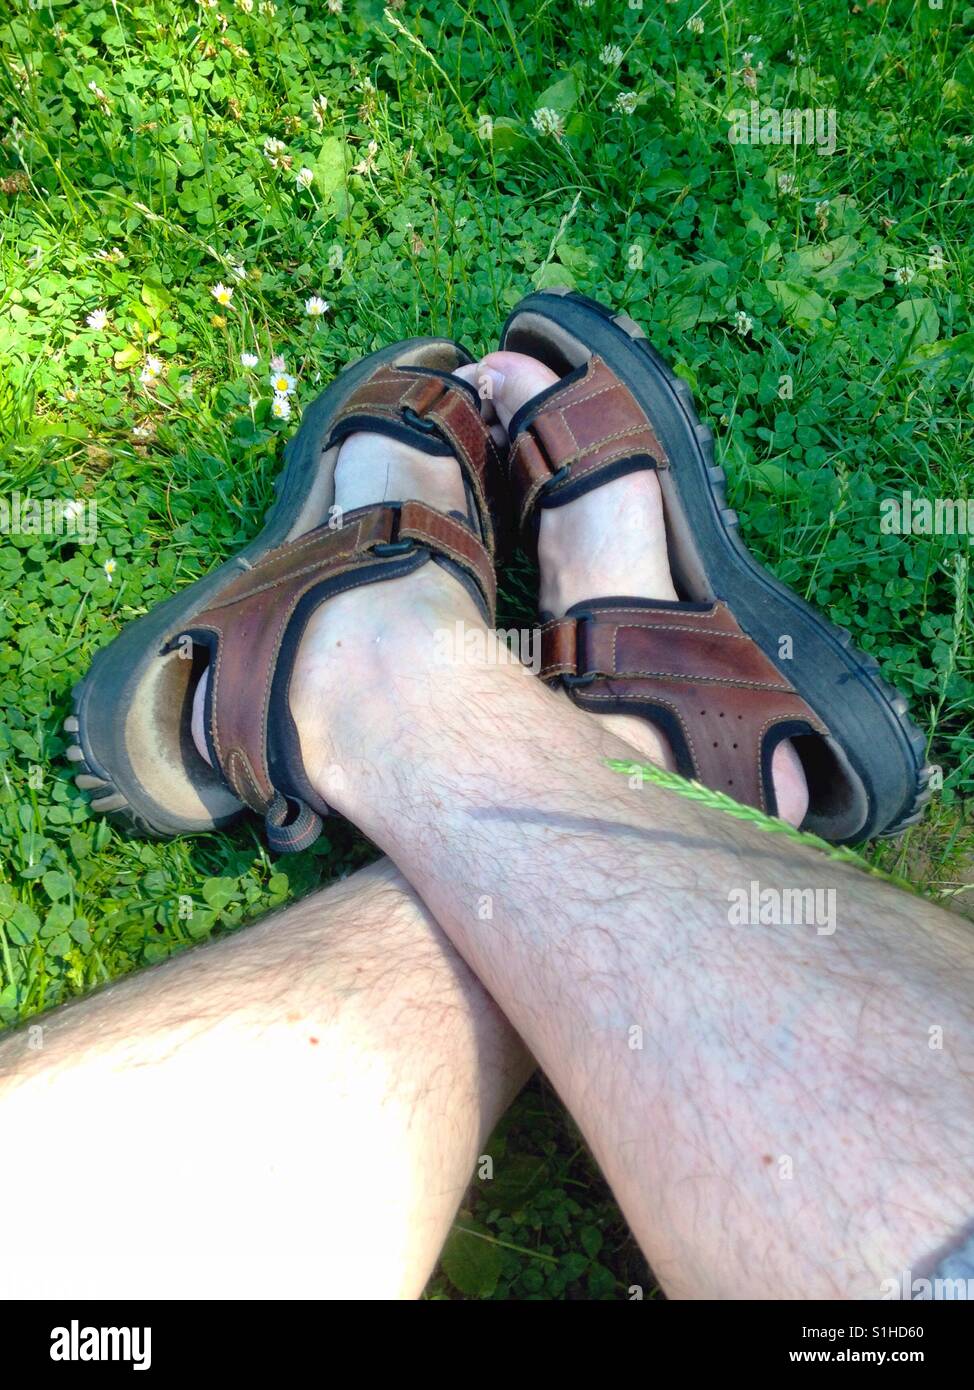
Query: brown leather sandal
[
  {"x": 134, "y": 748},
  {"x": 708, "y": 669}
]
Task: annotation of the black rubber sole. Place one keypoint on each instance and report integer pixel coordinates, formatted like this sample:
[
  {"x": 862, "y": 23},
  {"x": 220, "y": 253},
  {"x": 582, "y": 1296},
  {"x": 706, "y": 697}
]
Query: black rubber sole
[
  {"x": 99, "y": 756},
  {"x": 868, "y": 716}
]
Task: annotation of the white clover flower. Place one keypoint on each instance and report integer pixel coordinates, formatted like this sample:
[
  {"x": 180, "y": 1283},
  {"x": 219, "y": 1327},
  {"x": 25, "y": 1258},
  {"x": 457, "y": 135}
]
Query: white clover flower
[
  {"x": 274, "y": 149},
  {"x": 318, "y": 108},
  {"x": 611, "y": 55},
  {"x": 245, "y": 5},
  {"x": 695, "y": 24},
  {"x": 786, "y": 183},
  {"x": 316, "y": 306},
  {"x": 585, "y": 4},
  {"x": 142, "y": 431},
  {"x": 268, "y": 8},
  {"x": 304, "y": 178},
  {"x": 238, "y": 271},
  {"x": 74, "y": 508},
  {"x": 281, "y": 408},
  {"x": 904, "y": 274},
  {"x": 547, "y": 121},
  {"x": 746, "y": 59},
  {"x": 367, "y": 164},
  {"x": 97, "y": 319},
  {"x": 626, "y": 102},
  {"x": 249, "y": 359},
  {"x": 186, "y": 386},
  {"x": 115, "y": 254},
  {"x": 335, "y": 6},
  {"x": 150, "y": 371},
  {"x": 223, "y": 294},
  {"x": 743, "y": 322},
  {"x": 278, "y": 364},
  {"x": 282, "y": 384},
  {"x": 99, "y": 95},
  {"x": 109, "y": 567}
]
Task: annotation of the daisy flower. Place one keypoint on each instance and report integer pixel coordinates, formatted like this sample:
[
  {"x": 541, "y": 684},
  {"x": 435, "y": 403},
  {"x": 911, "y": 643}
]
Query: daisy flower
[
  {"x": 109, "y": 568},
  {"x": 281, "y": 407},
  {"x": 151, "y": 370},
  {"x": 282, "y": 384},
  {"x": 97, "y": 319},
  {"x": 315, "y": 306},
  {"x": 223, "y": 294}
]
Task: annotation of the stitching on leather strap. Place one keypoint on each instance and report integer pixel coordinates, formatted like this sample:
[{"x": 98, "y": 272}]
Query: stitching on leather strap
[
  {"x": 739, "y": 683},
  {"x": 598, "y": 612},
  {"x": 347, "y": 553},
  {"x": 237, "y": 762},
  {"x": 694, "y": 679},
  {"x": 478, "y": 565},
  {"x": 589, "y": 449}
]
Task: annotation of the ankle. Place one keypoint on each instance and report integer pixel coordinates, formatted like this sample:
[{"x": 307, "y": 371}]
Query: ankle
[{"x": 368, "y": 671}]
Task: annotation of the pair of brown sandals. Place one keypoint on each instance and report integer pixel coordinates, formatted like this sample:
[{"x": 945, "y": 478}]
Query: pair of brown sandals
[{"x": 708, "y": 669}]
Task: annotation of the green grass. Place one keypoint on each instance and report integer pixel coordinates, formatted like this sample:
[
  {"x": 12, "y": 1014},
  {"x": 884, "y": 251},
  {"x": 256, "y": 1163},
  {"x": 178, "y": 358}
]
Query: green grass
[{"x": 854, "y": 272}]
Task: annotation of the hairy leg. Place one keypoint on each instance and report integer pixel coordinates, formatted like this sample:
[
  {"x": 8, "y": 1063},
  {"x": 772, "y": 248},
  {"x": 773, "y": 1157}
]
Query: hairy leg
[
  {"x": 769, "y": 1101},
  {"x": 294, "y": 1111}
]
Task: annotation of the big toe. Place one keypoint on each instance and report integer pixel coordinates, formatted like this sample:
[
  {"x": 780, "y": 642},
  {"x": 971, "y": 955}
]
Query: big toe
[{"x": 508, "y": 379}]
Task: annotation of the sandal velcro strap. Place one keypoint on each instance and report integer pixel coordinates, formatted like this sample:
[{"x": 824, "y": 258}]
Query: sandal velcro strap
[
  {"x": 428, "y": 408},
  {"x": 253, "y": 632},
  {"x": 580, "y": 433},
  {"x": 692, "y": 670},
  {"x": 290, "y": 825}
]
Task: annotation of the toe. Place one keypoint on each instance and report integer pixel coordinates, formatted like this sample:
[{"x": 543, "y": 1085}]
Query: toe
[{"x": 508, "y": 379}]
